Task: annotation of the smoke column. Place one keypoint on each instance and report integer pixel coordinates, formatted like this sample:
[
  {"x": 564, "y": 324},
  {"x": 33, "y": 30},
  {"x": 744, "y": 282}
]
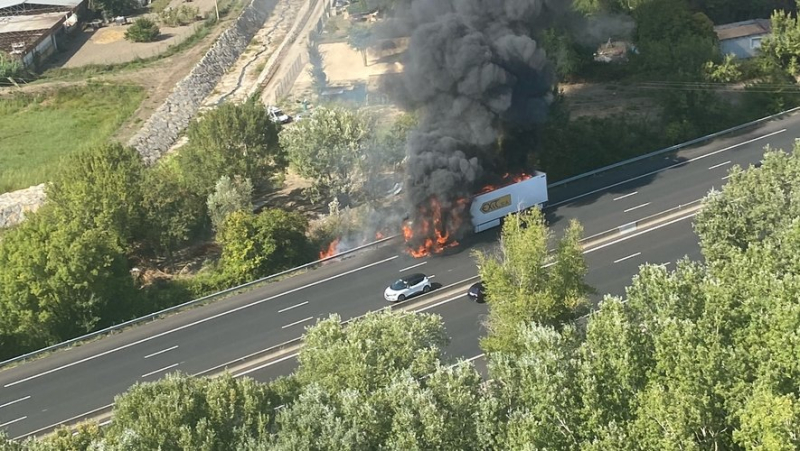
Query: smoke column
[{"x": 472, "y": 67}]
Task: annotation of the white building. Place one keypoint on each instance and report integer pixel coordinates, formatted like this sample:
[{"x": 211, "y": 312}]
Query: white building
[
  {"x": 30, "y": 29},
  {"x": 743, "y": 39}
]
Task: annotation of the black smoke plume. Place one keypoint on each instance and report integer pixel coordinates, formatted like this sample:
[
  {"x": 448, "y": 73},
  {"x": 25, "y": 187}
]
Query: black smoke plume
[{"x": 474, "y": 69}]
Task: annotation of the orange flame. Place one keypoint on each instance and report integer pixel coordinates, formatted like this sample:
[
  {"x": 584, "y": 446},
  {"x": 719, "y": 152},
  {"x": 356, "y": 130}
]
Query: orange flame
[
  {"x": 431, "y": 219},
  {"x": 507, "y": 179},
  {"x": 330, "y": 251}
]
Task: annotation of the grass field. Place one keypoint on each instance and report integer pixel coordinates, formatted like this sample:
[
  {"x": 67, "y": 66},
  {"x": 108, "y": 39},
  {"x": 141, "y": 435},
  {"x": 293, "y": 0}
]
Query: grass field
[{"x": 39, "y": 130}]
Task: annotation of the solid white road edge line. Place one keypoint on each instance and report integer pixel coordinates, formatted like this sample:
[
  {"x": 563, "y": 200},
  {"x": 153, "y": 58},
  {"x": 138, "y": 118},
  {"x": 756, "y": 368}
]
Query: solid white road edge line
[
  {"x": 15, "y": 401},
  {"x": 12, "y": 421},
  {"x": 161, "y": 352},
  {"x": 719, "y": 165},
  {"x": 636, "y": 207},
  {"x": 160, "y": 370},
  {"x": 627, "y": 195},
  {"x": 664, "y": 169},
  {"x": 414, "y": 266},
  {"x": 200, "y": 321},
  {"x": 292, "y": 307},
  {"x": 297, "y": 322}
]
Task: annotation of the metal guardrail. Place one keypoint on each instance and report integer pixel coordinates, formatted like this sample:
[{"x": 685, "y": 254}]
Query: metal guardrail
[
  {"x": 672, "y": 148},
  {"x": 194, "y": 302},
  {"x": 155, "y": 315}
]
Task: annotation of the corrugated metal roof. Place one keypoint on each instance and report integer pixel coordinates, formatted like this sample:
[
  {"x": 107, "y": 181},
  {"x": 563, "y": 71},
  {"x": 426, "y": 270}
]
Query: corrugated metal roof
[
  {"x": 66, "y": 3},
  {"x": 736, "y": 30},
  {"x": 44, "y": 21}
]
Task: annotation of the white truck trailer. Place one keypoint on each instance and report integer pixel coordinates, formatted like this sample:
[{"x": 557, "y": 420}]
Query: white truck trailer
[{"x": 488, "y": 209}]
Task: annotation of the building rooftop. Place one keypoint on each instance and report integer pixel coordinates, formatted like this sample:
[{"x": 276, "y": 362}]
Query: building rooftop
[
  {"x": 746, "y": 28},
  {"x": 61, "y": 3},
  {"x": 17, "y": 24}
]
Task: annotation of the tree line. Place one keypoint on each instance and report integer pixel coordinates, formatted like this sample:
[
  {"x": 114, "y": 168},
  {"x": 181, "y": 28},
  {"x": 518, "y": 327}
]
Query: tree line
[
  {"x": 703, "y": 356},
  {"x": 675, "y": 60},
  {"x": 81, "y": 262}
]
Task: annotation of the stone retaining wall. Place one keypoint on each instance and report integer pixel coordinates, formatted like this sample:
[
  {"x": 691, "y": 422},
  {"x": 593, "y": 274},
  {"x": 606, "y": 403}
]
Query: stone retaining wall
[
  {"x": 170, "y": 120},
  {"x": 14, "y": 205}
]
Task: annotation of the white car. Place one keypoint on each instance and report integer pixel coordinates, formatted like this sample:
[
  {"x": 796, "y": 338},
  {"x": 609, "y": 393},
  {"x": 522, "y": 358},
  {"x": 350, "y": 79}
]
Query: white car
[
  {"x": 278, "y": 116},
  {"x": 406, "y": 287}
]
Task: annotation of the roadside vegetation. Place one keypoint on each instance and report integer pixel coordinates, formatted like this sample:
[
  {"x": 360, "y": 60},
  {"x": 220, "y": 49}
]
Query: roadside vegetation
[
  {"x": 678, "y": 65},
  {"x": 716, "y": 336},
  {"x": 699, "y": 357},
  {"x": 143, "y": 30},
  {"x": 69, "y": 268},
  {"x": 39, "y": 130}
]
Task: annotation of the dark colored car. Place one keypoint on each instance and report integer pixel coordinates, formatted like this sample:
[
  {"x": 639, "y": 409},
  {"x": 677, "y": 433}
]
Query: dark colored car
[{"x": 475, "y": 292}]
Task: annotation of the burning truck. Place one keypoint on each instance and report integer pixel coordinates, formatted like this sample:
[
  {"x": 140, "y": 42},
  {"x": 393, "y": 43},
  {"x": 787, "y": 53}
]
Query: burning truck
[{"x": 437, "y": 227}]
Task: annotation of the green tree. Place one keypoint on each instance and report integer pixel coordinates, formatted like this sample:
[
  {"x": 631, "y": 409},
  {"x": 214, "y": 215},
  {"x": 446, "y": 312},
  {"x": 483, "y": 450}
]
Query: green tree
[
  {"x": 114, "y": 8},
  {"x": 101, "y": 188},
  {"x": 232, "y": 139},
  {"x": 520, "y": 285},
  {"x": 564, "y": 52},
  {"x": 783, "y": 44},
  {"x": 59, "y": 280},
  {"x": 727, "y": 71},
  {"x": 534, "y": 402},
  {"x": 173, "y": 214},
  {"x": 229, "y": 195},
  {"x": 673, "y": 41},
  {"x": 143, "y": 30},
  {"x": 753, "y": 206},
  {"x": 386, "y": 344},
  {"x": 360, "y": 39},
  {"x": 769, "y": 422},
  {"x": 11, "y": 67},
  {"x": 256, "y": 245},
  {"x": 182, "y": 413},
  {"x": 378, "y": 383},
  {"x": 319, "y": 78},
  {"x": 328, "y": 148}
]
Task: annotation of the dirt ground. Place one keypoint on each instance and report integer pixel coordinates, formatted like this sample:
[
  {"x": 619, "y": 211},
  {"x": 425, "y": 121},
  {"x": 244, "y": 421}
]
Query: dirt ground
[
  {"x": 158, "y": 78},
  {"x": 607, "y": 99},
  {"x": 108, "y": 46}
]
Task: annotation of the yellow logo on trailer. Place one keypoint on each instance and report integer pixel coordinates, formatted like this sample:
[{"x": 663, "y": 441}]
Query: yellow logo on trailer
[{"x": 496, "y": 204}]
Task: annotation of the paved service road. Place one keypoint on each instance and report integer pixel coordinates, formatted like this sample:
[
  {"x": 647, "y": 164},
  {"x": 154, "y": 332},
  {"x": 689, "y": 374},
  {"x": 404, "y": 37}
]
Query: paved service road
[{"x": 70, "y": 383}]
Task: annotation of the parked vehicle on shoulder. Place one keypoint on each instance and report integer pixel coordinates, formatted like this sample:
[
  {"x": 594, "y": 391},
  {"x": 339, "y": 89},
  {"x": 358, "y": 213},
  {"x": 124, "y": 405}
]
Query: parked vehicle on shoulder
[{"x": 407, "y": 286}]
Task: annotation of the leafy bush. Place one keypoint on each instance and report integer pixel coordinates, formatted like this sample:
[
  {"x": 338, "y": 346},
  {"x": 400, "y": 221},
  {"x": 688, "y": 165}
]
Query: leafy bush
[
  {"x": 143, "y": 30},
  {"x": 230, "y": 194},
  {"x": 254, "y": 246},
  {"x": 10, "y": 66},
  {"x": 174, "y": 17}
]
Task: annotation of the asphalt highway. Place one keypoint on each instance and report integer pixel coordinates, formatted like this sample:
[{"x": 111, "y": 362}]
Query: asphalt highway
[
  {"x": 70, "y": 383},
  {"x": 611, "y": 271}
]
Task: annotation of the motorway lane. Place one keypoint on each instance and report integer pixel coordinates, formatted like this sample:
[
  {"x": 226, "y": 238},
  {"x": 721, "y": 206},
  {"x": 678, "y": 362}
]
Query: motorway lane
[
  {"x": 463, "y": 318},
  {"x": 219, "y": 332},
  {"x": 611, "y": 270},
  {"x": 266, "y": 322},
  {"x": 671, "y": 181}
]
